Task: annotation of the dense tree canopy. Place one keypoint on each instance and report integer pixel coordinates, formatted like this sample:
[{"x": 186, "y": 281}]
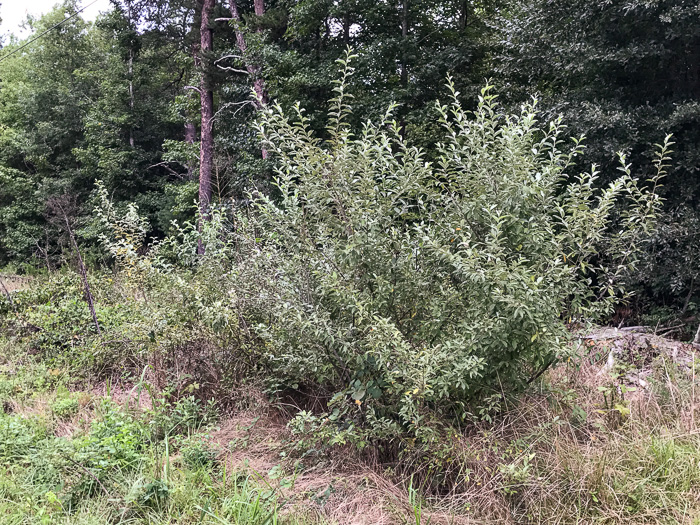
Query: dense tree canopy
[
  {"x": 119, "y": 100},
  {"x": 623, "y": 74}
]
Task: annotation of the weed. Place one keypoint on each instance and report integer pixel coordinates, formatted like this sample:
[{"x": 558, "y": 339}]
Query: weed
[
  {"x": 64, "y": 407},
  {"x": 197, "y": 453}
]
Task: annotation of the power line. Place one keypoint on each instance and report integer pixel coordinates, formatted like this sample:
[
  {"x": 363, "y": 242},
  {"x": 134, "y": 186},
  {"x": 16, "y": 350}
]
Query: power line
[{"x": 48, "y": 30}]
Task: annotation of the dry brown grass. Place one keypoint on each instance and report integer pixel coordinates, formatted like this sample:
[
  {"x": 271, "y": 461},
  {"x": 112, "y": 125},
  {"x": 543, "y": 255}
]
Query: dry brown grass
[
  {"x": 540, "y": 462},
  {"x": 358, "y": 495},
  {"x": 641, "y": 467},
  {"x": 13, "y": 283},
  {"x": 39, "y": 407}
]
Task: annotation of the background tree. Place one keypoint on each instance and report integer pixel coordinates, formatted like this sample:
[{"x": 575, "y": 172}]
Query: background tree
[
  {"x": 154, "y": 96},
  {"x": 252, "y": 66},
  {"x": 206, "y": 93},
  {"x": 405, "y": 49},
  {"x": 44, "y": 97},
  {"x": 623, "y": 74},
  {"x": 137, "y": 75}
]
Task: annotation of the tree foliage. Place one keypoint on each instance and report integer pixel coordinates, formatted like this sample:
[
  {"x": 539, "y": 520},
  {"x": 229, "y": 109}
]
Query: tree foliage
[
  {"x": 622, "y": 73},
  {"x": 117, "y": 100}
]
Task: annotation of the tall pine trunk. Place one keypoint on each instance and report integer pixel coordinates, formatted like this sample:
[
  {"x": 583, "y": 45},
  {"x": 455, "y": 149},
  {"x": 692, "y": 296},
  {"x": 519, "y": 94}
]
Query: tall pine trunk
[
  {"x": 206, "y": 151},
  {"x": 131, "y": 96},
  {"x": 404, "y": 60},
  {"x": 132, "y": 104},
  {"x": 404, "y": 43},
  {"x": 190, "y": 138},
  {"x": 254, "y": 70}
]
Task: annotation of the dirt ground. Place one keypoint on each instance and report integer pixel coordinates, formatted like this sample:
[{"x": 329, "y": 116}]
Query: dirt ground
[{"x": 12, "y": 283}]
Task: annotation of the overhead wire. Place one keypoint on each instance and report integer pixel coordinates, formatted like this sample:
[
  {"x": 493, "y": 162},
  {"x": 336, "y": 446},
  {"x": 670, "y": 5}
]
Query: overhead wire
[{"x": 48, "y": 30}]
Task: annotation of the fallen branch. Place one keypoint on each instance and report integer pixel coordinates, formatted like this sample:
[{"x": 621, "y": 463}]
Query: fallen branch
[
  {"x": 640, "y": 329},
  {"x": 669, "y": 330}
]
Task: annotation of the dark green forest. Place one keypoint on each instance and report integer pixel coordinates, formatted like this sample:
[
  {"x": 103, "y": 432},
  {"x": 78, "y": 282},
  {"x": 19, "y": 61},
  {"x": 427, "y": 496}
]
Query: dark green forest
[
  {"x": 351, "y": 261},
  {"x": 120, "y": 101}
]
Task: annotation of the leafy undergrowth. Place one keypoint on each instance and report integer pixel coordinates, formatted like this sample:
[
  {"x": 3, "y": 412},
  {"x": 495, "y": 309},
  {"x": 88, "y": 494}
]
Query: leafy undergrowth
[
  {"x": 111, "y": 455},
  {"x": 584, "y": 446},
  {"x": 165, "y": 418}
]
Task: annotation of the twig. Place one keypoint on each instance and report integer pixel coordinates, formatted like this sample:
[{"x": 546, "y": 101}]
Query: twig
[
  {"x": 668, "y": 332},
  {"x": 228, "y": 56},
  {"x": 164, "y": 164},
  {"x": 233, "y": 69},
  {"x": 9, "y": 297},
  {"x": 542, "y": 370},
  {"x": 83, "y": 274},
  {"x": 88, "y": 473},
  {"x": 229, "y": 104},
  {"x": 670, "y": 329},
  {"x": 111, "y": 341}
]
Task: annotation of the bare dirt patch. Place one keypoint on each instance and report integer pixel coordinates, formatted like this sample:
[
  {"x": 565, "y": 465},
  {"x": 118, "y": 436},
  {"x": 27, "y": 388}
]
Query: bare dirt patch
[{"x": 13, "y": 283}]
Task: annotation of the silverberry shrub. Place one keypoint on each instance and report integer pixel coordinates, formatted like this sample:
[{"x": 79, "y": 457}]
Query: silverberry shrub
[
  {"x": 409, "y": 289},
  {"x": 406, "y": 292}
]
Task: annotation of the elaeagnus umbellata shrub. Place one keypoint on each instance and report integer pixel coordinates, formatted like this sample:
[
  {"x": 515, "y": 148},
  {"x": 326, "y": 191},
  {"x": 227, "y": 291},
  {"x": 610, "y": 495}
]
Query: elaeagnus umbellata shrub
[
  {"x": 405, "y": 288},
  {"x": 405, "y": 291}
]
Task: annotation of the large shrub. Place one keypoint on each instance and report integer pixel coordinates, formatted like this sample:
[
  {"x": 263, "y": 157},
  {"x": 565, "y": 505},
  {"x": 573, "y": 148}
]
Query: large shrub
[
  {"x": 401, "y": 290},
  {"x": 404, "y": 288}
]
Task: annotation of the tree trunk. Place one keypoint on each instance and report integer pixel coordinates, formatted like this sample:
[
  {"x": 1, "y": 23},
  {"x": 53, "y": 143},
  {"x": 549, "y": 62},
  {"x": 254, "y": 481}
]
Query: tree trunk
[
  {"x": 404, "y": 43},
  {"x": 258, "y": 82},
  {"x": 206, "y": 151},
  {"x": 464, "y": 15},
  {"x": 131, "y": 78},
  {"x": 686, "y": 303},
  {"x": 190, "y": 136},
  {"x": 254, "y": 70},
  {"x": 346, "y": 29},
  {"x": 131, "y": 96},
  {"x": 404, "y": 64}
]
